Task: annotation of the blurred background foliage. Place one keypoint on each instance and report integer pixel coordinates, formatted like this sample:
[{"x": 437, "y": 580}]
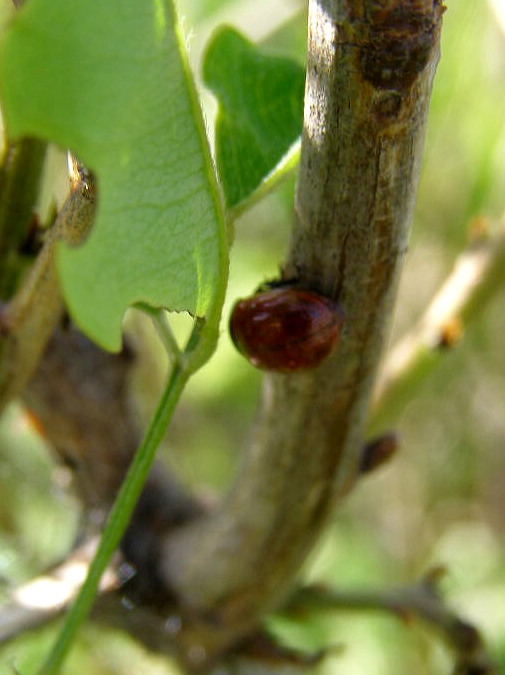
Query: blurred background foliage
[{"x": 440, "y": 502}]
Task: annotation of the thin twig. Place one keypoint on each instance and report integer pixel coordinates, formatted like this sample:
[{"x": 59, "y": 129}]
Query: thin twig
[
  {"x": 421, "y": 601},
  {"x": 28, "y": 320},
  {"x": 477, "y": 277},
  {"x": 164, "y": 330},
  {"x": 44, "y": 598}
]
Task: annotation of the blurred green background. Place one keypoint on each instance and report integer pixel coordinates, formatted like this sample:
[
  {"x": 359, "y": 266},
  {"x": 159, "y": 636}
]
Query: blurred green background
[{"x": 442, "y": 501}]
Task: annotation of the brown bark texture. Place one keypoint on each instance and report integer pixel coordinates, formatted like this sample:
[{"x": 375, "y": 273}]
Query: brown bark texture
[{"x": 370, "y": 70}]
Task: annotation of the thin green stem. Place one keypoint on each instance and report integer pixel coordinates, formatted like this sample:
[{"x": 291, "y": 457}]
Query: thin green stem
[
  {"x": 162, "y": 325},
  {"x": 118, "y": 518}
]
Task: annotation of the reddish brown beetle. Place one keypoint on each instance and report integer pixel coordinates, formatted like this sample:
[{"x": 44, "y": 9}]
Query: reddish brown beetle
[{"x": 286, "y": 329}]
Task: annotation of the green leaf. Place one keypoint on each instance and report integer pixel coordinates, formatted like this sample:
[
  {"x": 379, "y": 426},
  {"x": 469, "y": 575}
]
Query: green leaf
[
  {"x": 110, "y": 81},
  {"x": 260, "y": 112}
]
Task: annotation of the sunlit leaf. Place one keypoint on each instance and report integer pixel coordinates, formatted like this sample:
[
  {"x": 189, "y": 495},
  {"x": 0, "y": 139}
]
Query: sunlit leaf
[
  {"x": 110, "y": 81},
  {"x": 260, "y": 111}
]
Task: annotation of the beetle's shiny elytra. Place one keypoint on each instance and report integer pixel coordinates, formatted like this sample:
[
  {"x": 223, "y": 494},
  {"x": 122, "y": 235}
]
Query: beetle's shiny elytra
[{"x": 286, "y": 329}]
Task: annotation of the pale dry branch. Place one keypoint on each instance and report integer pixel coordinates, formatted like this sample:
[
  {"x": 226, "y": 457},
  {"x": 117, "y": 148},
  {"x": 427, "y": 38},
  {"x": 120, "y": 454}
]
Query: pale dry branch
[
  {"x": 28, "y": 320},
  {"x": 477, "y": 277},
  {"x": 42, "y": 599}
]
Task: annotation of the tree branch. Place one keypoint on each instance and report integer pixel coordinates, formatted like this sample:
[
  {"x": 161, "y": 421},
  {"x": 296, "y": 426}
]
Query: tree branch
[
  {"x": 44, "y": 598},
  {"x": 478, "y": 275},
  {"x": 420, "y": 601},
  {"x": 370, "y": 71},
  {"x": 28, "y": 320}
]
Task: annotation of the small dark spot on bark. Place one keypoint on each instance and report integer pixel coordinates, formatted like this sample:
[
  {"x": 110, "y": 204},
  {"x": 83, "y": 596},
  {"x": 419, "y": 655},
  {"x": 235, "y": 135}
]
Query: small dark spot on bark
[
  {"x": 396, "y": 46},
  {"x": 387, "y": 107},
  {"x": 68, "y": 459},
  {"x": 450, "y": 333},
  {"x": 378, "y": 452},
  {"x": 466, "y": 635}
]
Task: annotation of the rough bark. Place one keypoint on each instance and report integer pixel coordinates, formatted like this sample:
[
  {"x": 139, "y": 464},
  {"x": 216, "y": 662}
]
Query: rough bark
[{"x": 370, "y": 70}]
